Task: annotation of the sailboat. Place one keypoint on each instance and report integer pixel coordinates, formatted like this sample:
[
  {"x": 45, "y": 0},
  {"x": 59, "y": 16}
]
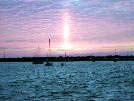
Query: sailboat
[
  {"x": 62, "y": 64},
  {"x": 48, "y": 63}
]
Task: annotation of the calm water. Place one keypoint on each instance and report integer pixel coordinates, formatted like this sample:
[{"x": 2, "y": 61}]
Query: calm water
[{"x": 76, "y": 81}]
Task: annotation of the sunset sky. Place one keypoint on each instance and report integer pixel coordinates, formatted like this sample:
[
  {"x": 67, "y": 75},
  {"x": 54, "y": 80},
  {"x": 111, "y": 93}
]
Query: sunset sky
[{"x": 77, "y": 26}]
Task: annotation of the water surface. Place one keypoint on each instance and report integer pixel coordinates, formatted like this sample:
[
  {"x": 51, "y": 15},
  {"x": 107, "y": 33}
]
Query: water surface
[{"x": 75, "y": 81}]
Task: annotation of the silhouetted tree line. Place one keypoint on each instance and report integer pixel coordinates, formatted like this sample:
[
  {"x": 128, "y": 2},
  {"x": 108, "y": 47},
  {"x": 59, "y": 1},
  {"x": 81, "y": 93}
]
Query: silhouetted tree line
[{"x": 69, "y": 58}]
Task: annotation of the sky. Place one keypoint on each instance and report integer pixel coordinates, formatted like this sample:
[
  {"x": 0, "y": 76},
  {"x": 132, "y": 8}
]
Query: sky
[{"x": 79, "y": 27}]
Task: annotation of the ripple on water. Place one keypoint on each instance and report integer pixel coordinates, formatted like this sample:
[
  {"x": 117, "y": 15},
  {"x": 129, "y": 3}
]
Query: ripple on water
[{"x": 76, "y": 81}]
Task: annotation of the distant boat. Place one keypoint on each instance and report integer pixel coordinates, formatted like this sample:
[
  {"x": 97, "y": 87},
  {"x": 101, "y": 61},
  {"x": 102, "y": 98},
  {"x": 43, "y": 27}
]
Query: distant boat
[
  {"x": 62, "y": 64},
  {"x": 48, "y": 63}
]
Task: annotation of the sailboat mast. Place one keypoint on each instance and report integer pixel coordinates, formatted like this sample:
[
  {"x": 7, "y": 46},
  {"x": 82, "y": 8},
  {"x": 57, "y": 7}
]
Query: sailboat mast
[
  {"x": 49, "y": 43},
  {"x": 4, "y": 55},
  {"x": 49, "y": 63},
  {"x": 49, "y": 46},
  {"x": 65, "y": 54}
]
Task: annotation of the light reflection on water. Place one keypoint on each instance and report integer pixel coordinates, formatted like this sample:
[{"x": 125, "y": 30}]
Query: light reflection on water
[{"x": 76, "y": 81}]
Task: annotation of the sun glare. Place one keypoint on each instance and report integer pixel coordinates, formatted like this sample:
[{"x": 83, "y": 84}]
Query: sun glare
[{"x": 66, "y": 32}]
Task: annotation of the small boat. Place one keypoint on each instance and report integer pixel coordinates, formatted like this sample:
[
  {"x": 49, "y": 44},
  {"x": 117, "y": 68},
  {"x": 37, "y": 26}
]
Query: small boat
[
  {"x": 93, "y": 60},
  {"x": 48, "y": 63},
  {"x": 62, "y": 64},
  {"x": 115, "y": 60}
]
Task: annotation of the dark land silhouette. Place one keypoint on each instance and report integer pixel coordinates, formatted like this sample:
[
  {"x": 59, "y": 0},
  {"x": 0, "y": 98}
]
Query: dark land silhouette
[{"x": 69, "y": 59}]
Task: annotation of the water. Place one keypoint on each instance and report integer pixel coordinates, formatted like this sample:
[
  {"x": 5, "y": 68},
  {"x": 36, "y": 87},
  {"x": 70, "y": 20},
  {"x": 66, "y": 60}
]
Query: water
[{"x": 76, "y": 81}]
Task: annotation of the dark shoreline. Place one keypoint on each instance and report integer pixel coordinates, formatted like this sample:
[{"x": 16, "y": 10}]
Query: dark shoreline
[{"x": 67, "y": 59}]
